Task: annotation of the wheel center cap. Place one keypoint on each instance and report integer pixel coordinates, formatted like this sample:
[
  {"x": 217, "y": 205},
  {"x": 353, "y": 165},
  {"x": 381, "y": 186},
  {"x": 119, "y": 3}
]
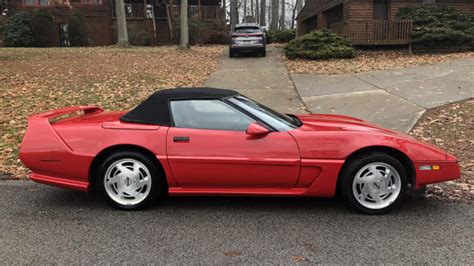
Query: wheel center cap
[
  {"x": 127, "y": 181},
  {"x": 376, "y": 185}
]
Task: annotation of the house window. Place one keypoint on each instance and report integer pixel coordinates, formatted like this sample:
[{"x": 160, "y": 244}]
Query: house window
[
  {"x": 45, "y": 2},
  {"x": 91, "y": 2},
  {"x": 381, "y": 9}
]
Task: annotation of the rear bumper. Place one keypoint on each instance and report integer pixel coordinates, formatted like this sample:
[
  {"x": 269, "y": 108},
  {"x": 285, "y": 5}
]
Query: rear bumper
[
  {"x": 448, "y": 170},
  {"x": 246, "y": 46}
]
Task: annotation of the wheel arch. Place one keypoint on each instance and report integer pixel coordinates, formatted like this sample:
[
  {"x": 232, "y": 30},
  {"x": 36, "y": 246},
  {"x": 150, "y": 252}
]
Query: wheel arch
[
  {"x": 397, "y": 154},
  {"x": 102, "y": 155}
]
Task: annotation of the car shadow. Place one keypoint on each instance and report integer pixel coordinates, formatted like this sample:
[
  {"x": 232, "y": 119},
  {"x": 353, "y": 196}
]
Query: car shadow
[{"x": 67, "y": 199}]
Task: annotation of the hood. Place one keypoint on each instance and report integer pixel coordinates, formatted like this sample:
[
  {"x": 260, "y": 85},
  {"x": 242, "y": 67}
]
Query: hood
[{"x": 328, "y": 122}]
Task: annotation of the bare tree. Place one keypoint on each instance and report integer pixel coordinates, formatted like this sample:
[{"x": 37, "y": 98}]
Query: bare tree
[
  {"x": 245, "y": 10},
  {"x": 262, "y": 12},
  {"x": 251, "y": 8},
  {"x": 299, "y": 5},
  {"x": 283, "y": 15},
  {"x": 184, "y": 37},
  {"x": 274, "y": 21},
  {"x": 234, "y": 13},
  {"x": 122, "y": 33},
  {"x": 257, "y": 12},
  {"x": 293, "y": 14}
]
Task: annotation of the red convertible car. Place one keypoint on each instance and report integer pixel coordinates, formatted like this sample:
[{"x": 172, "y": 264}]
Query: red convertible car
[{"x": 205, "y": 141}]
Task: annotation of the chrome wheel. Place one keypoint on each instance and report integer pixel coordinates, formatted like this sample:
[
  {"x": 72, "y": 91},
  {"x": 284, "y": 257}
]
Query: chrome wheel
[
  {"x": 376, "y": 185},
  {"x": 127, "y": 181}
]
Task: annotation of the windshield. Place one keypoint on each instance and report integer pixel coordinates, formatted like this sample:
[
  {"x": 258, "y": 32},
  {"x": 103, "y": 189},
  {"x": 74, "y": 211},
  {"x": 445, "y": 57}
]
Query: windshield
[
  {"x": 276, "y": 120},
  {"x": 247, "y": 29}
]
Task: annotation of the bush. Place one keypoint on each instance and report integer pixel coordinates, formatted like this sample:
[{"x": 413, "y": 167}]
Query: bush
[
  {"x": 42, "y": 26},
  {"x": 201, "y": 32},
  {"x": 76, "y": 30},
  {"x": 140, "y": 37},
  {"x": 439, "y": 27},
  {"x": 280, "y": 36},
  {"x": 320, "y": 44},
  {"x": 17, "y": 31}
]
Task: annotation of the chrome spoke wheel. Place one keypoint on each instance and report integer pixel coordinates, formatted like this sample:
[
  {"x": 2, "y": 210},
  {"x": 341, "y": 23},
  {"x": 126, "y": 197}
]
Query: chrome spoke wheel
[
  {"x": 127, "y": 181},
  {"x": 376, "y": 185}
]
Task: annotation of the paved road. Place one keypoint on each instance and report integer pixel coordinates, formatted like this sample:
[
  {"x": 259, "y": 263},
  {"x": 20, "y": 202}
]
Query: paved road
[
  {"x": 264, "y": 79},
  {"x": 40, "y": 224},
  {"x": 395, "y": 99}
]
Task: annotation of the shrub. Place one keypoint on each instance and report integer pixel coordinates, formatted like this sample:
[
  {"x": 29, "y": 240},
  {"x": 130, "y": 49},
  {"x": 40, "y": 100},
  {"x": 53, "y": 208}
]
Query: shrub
[
  {"x": 17, "y": 31},
  {"x": 439, "y": 26},
  {"x": 42, "y": 26},
  {"x": 201, "y": 32},
  {"x": 77, "y": 30},
  {"x": 280, "y": 36},
  {"x": 140, "y": 37},
  {"x": 320, "y": 44}
]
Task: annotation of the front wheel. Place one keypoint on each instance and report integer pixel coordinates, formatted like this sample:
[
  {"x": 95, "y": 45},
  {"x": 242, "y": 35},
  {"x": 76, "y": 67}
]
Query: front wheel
[
  {"x": 129, "y": 180},
  {"x": 374, "y": 183}
]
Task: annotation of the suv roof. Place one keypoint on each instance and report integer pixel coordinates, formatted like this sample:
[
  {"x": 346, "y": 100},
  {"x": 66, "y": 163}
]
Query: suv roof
[{"x": 247, "y": 25}]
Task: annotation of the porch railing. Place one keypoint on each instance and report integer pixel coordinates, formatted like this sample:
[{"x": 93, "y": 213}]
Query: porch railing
[
  {"x": 133, "y": 10},
  {"x": 202, "y": 12},
  {"x": 375, "y": 32}
]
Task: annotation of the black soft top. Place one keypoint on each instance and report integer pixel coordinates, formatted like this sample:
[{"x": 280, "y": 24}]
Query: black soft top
[{"x": 156, "y": 109}]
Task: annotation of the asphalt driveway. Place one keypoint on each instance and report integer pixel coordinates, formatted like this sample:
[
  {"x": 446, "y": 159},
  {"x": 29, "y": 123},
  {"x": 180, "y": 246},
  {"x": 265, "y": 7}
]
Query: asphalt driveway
[{"x": 40, "y": 224}]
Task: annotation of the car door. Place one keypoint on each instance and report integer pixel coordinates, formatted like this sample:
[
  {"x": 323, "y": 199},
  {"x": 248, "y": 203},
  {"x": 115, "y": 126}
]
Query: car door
[{"x": 209, "y": 148}]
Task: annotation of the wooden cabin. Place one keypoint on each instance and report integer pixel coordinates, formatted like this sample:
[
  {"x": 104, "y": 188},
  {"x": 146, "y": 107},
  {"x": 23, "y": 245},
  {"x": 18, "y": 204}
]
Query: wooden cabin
[
  {"x": 151, "y": 17},
  {"x": 366, "y": 22}
]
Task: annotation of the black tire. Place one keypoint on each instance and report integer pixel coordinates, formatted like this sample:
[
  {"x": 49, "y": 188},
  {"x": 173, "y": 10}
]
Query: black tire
[
  {"x": 350, "y": 171},
  {"x": 156, "y": 179},
  {"x": 264, "y": 52},
  {"x": 231, "y": 53}
]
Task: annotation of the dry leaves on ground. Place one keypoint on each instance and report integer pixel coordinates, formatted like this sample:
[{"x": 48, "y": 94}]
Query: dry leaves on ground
[
  {"x": 451, "y": 127},
  {"x": 35, "y": 80},
  {"x": 370, "y": 61}
]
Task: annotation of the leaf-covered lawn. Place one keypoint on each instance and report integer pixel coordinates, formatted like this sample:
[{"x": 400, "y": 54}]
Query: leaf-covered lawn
[
  {"x": 34, "y": 80},
  {"x": 369, "y": 61},
  {"x": 451, "y": 127}
]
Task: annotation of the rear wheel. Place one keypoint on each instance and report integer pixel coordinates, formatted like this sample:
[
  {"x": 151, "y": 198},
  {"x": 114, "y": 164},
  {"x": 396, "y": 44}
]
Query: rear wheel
[
  {"x": 374, "y": 183},
  {"x": 264, "y": 52},
  {"x": 129, "y": 180},
  {"x": 231, "y": 53}
]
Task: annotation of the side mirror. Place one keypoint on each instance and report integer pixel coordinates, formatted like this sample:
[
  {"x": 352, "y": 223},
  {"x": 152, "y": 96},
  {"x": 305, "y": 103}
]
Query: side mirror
[{"x": 257, "y": 129}]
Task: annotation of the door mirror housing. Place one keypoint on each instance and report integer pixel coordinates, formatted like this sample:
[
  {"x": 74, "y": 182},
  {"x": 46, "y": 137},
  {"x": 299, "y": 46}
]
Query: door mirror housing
[{"x": 257, "y": 129}]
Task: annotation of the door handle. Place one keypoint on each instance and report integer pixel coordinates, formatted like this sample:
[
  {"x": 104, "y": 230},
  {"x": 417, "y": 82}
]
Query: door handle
[{"x": 180, "y": 139}]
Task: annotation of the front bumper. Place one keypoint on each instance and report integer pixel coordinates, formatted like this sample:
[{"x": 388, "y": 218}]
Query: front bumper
[{"x": 448, "y": 170}]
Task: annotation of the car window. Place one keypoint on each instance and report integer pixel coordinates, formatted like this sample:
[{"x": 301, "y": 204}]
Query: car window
[
  {"x": 208, "y": 114},
  {"x": 247, "y": 29}
]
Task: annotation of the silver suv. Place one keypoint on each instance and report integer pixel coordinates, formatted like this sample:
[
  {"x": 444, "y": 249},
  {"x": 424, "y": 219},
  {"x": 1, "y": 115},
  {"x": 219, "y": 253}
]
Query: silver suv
[{"x": 247, "y": 37}]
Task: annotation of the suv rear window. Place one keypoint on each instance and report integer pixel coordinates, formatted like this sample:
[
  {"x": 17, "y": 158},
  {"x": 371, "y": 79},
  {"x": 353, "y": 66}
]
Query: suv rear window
[{"x": 247, "y": 29}]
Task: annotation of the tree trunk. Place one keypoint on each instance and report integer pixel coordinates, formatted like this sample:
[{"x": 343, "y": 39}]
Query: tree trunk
[
  {"x": 184, "y": 36},
  {"x": 293, "y": 15},
  {"x": 262, "y": 13},
  {"x": 234, "y": 14},
  {"x": 122, "y": 33},
  {"x": 257, "y": 12},
  {"x": 245, "y": 10},
  {"x": 251, "y": 9},
  {"x": 274, "y": 22},
  {"x": 283, "y": 15}
]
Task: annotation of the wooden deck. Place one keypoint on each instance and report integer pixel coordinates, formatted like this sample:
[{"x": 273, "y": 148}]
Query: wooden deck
[
  {"x": 203, "y": 12},
  {"x": 375, "y": 32}
]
